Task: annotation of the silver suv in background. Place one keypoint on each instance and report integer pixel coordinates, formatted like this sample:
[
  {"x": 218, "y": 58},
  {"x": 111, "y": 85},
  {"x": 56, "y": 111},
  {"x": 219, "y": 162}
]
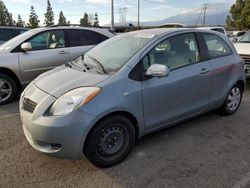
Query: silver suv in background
[
  {"x": 7, "y": 33},
  {"x": 28, "y": 55}
]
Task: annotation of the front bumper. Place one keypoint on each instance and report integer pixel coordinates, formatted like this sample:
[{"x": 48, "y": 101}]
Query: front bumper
[{"x": 58, "y": 136}]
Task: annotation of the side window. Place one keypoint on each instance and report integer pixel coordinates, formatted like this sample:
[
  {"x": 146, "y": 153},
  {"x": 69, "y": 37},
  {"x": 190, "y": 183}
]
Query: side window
[
  {"x": 48, "y": 40},
  {"x": 7, "y": 34},
  {"x": 85, "y": 38},
  {"x": 216, "y": 46},
  {"x": 174, "y": 52}
]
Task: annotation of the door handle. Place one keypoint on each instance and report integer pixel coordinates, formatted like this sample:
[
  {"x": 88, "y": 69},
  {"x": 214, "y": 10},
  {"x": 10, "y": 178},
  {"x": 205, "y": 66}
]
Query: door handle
[
  {"x": 62, "y": 52},
  {"x": 204, "y": 71}
]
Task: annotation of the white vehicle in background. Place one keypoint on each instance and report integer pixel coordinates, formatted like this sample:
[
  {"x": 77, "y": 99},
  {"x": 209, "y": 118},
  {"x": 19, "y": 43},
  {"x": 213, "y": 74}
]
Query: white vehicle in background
[
  {"x": 243, "y": 48},
  {"x": 218, "y": 29},
  {"x": 237, "y": 35}
]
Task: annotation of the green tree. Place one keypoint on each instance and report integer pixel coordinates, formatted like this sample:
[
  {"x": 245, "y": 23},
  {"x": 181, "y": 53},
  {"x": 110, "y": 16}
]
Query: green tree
[
  {"x": 49, "y": 15},
  {"x": 236, "y": 11},
  {"x": 85, "y": 20},
  {"x": 96, "y": 20},
  {"x": 62, "y": 19},
  {"x": 20, "y": 22},
  {"x": 245, "y": 15},
  {"x": 229, "y": 23},
  {"x": 33, "y": 19},
  {"x": 5, "y": 17},
  {"x": 9, "y": 19}
]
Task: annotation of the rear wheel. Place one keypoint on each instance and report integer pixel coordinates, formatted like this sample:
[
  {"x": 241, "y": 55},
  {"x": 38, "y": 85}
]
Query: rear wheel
[
  {"x": 233, "y": 100},
  {"x": 8, "y": 89},
  {"x": 110, "y": 141}
]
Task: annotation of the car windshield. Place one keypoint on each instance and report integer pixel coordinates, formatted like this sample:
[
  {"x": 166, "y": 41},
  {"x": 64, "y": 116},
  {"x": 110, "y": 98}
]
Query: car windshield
[
  {"x": 112, "y": 54},
  {"x": 20, "y": 38},
  {"x": 245, "y": 38}
]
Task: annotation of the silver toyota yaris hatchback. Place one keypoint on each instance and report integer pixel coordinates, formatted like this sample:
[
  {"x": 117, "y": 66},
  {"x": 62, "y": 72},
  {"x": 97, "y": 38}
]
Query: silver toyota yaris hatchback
[{"x": 133, "y": 84}]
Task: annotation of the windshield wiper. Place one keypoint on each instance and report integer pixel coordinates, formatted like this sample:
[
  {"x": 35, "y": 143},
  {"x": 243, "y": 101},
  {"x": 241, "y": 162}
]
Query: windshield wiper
[
  {"x": 244, "y": 41},
  {"x": 68, "y": 65},
  {"x": 98, "y": 64}
]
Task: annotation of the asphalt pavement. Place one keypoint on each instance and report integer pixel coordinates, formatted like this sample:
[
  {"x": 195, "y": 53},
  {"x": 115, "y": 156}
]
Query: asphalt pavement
[{"x": 208, "y": 151}]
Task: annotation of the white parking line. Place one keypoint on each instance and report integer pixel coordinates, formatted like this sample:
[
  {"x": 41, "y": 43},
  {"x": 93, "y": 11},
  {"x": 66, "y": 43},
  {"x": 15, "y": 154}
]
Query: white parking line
[
  {"x": 244, "y": 182},
  {"x": 9, "y": 115}
]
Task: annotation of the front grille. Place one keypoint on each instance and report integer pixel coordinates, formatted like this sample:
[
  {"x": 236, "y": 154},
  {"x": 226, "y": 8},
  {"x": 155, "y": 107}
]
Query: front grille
[
  {"x": 29, "y": 105},
  {"x": 246, "y": 58}
]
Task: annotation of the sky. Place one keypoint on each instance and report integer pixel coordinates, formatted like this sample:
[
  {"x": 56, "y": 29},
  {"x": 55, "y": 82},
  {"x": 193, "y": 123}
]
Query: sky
[{"x": 151, "y": 10}]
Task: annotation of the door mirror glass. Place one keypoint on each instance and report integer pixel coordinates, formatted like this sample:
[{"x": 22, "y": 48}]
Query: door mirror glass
[
  {"x": 26, "y": 46},
  {"x": 235, "y": 40},
  {"x": 157, "y": 70}
]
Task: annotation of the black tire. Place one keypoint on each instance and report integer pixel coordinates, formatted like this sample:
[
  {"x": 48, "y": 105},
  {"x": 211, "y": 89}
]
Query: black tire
[
  {"x": 101, "y": 148},
  {"x": 9, "y": 84},
  {"x": 226, "y": 109}
]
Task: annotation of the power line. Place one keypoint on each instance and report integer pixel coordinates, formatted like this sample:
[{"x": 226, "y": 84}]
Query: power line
[
  {"x": 199, "y": 17},
  {"x": 205, "y": 11},
  {"x": 112, "y": 15},
  {"x": 138, "y": 14},
  {"x": 123, "y": 11}
]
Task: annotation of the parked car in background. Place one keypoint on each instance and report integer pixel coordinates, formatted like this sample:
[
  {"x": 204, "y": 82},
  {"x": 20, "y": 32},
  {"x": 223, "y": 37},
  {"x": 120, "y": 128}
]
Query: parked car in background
[
  {"x": 243, "y": 48},
  {"x": 236, "y": 35},
  {"x": 218, "y": 29},
  {"x": 28, "y": 55},
  {"x": 129, "y": 86},
  {"x": 7, "y": 33}
]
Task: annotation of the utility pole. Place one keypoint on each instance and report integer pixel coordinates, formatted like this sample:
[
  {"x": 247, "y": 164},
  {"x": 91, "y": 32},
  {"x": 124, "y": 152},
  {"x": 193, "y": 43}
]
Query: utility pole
[
  {"x": 138, "y": 14},
  {"x": 205, "y": 11},
  {"x": 112, "y": 15}
]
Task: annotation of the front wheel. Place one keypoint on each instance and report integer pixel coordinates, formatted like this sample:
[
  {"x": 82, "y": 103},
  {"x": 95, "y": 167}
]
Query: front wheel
[
  {"x": 8, "y": 89},
  {"x": 110, "y": 141},
  {"x": 233, "y": 100}
]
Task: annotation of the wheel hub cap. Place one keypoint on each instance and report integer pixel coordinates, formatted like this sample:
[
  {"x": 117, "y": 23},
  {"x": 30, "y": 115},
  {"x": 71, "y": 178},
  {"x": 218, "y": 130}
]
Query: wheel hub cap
[
  {"x": 110, "y": 141},
  {"x": 5, "y": 90},
  {"x": 233, "y": 99}
]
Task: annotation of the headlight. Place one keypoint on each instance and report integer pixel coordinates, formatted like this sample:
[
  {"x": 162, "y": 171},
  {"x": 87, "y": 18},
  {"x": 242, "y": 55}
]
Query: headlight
[{"x": 73, "y": 100}]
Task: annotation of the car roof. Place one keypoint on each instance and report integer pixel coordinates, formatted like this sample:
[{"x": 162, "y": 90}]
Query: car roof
[
  {"x": 164, "y": 31},
  {"x": 159, "y": 31},
  {"x": 103, "y": 31},
  {"x": 214, "y": 27},
  {"x": 12, "y": 27}
]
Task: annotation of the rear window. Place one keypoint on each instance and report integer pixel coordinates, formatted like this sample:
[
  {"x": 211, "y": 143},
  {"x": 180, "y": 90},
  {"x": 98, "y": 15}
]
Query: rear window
[
  {"x": 85, "y": 37},
  {"x": 216, "y": 46}
]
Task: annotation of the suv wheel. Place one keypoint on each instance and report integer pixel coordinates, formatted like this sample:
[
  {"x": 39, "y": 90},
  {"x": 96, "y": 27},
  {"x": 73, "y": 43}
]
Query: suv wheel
[
  {"x": 110, "y": 141},
  {"x": 8, "y": 89},
  {"x": 233, "y": 100}
]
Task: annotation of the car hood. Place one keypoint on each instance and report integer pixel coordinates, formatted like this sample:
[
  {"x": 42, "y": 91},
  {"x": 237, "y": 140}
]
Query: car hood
[
  {"x": 243, "y": 48},
  {"x": 63, "y": 79}
]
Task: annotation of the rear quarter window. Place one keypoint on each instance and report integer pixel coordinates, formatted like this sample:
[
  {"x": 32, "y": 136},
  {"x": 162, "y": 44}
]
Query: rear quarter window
[
  {"x": 7, "y": 34},
  {"x": 216, "y": 46},
  {"x": 85, "y": 37}
]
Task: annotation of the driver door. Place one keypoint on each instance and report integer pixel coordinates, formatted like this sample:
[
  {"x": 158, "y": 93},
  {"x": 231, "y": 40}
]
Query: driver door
[{"x": 185, "y": 91}]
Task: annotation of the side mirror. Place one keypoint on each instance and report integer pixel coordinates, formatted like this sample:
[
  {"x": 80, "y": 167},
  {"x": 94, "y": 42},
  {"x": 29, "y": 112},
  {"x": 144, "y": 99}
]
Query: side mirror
[
  {"x": 26, "y": 46},
  {"x": 157, "y": 70},
  {"x": 235, "y": 40}
]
